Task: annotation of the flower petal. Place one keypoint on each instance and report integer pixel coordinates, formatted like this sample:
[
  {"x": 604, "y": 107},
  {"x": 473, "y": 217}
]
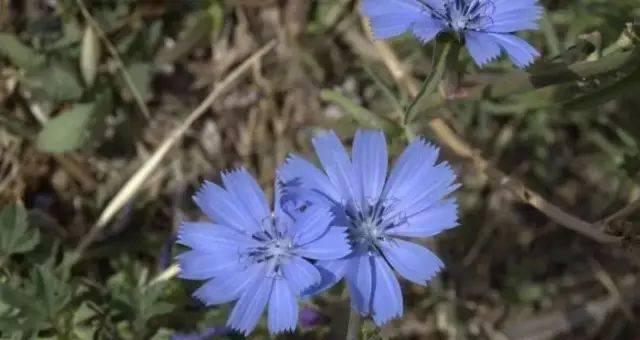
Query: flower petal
[
  {"x": 337, "y": 165},
  {"x": 331, "y": 272},
  {"x": 370, "y": 162},
  {"x": 413, "y": 262},
  {"x": 283, "y": 308},
  {"x": 390, "y": 18},
  {"x": 246, "y": 191},
  {"x": 520, "y": 52},
  {"x": 416, "y": 183},
  {"x": 432, "y": 187},
  {"x": 416, "y": 158},
  {"x": 311, "y": 225},
  {"x": 225, "y": 288},
  {"x": 387, "y": 296},
  {"x": 247, "y": 311},
  {"x": 206, "y": 237},
  {"x": 300, "y": 273},
  {"x": 198, "y": 265},
  {"x": 426, "y": 29},
  {"x": 331, "y": 245},
  {"x": 222, "y": 208},
  {"x": 511, "y": 16},
  {"x": 299, "y": 174},
  {"x": 429, "y": 222},
  {"x": 359, "y": 279},
  {"x": 482, "y": 47}
]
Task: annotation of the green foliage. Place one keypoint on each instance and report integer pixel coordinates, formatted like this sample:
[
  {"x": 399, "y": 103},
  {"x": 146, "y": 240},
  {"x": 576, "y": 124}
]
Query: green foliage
[
  {"x": 59, "y": 81},
  {"x": 15, "y": 235},
  {"x": 136, "y": 301},
  {"x": 37, "y": 303},
  {"x": 68, "y": 131},
  {"x": 72, "y": 128},
  {"x": 141, "y": 74},
  {"x": 20, "y": 54}
]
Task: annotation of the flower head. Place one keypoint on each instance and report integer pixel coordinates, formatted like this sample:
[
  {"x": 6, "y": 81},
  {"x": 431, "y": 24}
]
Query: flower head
[
  {"x": 254, "y": 256},
  {"x": 486, "y": 26},
  {"x": 379, "y": 210}
]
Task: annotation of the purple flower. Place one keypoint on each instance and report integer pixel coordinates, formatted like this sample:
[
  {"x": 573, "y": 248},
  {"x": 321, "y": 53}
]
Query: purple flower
[
  {"x": 254, "y": 256},
  {"x": 380, "y": 210},
  {"x": 310, "y": 317},
  {"x": 487, "y": 26}
]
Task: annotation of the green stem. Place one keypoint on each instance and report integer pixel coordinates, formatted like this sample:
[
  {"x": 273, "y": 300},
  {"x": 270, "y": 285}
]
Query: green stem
[
  {"x": 431, "y": 83},
  {"x": 354, "y": 328}
]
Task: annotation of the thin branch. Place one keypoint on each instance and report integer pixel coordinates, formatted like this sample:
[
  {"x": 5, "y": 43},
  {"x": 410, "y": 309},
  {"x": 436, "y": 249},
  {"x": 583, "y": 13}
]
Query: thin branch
[
  {"x": 448, "y": 137},
  {"x": 133, "y": 185},
  {"x": 116, "y": 56},
  {"x": 622, "y": 213}
]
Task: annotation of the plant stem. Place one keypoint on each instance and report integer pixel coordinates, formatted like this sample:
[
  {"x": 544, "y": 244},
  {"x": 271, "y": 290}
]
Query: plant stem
[
  {"x": 431, "y": 83},
  {"x": 355, "y": 322}
]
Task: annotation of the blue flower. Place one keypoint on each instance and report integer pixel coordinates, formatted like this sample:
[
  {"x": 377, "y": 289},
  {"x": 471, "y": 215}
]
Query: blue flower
[
  {"x": 380, "y": 211},
  {"x": 254, "y": 256},
  {"x": 486, "y": 26}
]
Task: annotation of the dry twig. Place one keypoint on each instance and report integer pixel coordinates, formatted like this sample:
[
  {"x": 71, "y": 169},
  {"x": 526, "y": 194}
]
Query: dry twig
[{"x": 133, "y": 185}]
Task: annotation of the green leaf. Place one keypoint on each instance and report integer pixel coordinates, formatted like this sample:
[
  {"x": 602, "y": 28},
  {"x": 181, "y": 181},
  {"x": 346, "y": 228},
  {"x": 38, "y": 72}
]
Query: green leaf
[
  {"x": 141, "y": 77},
  {"x": 67, "y": 131},
  {"x": 18, "y": 53},
  {"x": 59, "y": 82},
  {"x": 15, "y": 236}
]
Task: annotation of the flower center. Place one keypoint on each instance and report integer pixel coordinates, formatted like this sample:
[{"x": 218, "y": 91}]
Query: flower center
[
  {"x": 275, "y": 244},
  {"x": 368, "y": 224},
  {"x": 463, "y": 15}
]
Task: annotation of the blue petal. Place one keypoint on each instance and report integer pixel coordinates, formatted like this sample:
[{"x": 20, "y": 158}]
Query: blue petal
[
  {"x": 298, "y": 173},
  {"x": 413, "y": 262},
  {"x": 229, "y": 287},
  {"x": 432, "y": 186},
  {"x": 310, "y": 225},
  {"x": 244, "y": 189},
  {"x": 359, "y": 278},
  {"x": 512, "y": 16},
  {"x": 427, "y": 29},
  {"x": 222, "y": 208},
  {"x": 337, "y": 165},
  {"x": 387, "y": 296},
  {"x": 390, "y": 18},
  {"x": 520, "y": 52},
  {"x": 285, "y": 208},
  {"x": 417, "y": 158},
  {"x": 415, "y": 183},
  {"x": 429, "y": 222},
  {"x": 206, "y": 237},
  {"x": 247, "y": 311},
  {"x": 300, "y": 273},
  {"x": 331, "y": 272},
  {"x": 331, "y": 245},
  {"x": 198, "y": 265},
  {"x": 283, "y": 308},
  {"x": 370, "y": 162},
  {"x": 482, "y": 47}
]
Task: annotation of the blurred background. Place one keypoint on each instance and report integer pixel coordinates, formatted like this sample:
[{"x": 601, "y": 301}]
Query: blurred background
[{"x": 93, "y": 92}]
